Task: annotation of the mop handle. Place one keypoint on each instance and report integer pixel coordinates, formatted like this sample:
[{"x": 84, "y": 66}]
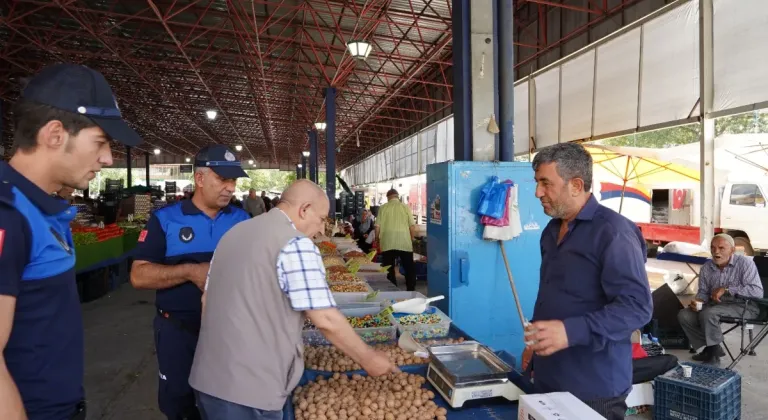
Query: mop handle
[{"x": 512, "y": 283}]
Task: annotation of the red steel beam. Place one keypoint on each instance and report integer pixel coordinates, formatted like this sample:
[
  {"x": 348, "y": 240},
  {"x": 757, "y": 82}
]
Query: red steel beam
[
  {"x": 576, "y": 32},
  {"x": 566, "y": 6}
]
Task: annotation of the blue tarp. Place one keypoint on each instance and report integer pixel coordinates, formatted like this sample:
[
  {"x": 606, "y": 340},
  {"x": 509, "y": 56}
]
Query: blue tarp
[{"x": 671, "y": 256}]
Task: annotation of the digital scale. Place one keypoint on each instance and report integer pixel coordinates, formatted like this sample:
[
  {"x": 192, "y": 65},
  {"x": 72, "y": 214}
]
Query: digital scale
[{"x": 469, "y": 371}]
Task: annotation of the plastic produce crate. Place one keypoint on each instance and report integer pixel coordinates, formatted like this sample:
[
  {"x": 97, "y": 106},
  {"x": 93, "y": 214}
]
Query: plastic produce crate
[
  {"x": 426, "y": 331},
  {"x": 709, "y": 394}
]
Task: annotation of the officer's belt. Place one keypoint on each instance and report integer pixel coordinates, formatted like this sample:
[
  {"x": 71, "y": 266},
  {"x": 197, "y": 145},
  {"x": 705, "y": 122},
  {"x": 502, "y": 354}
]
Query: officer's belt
[{"x": 193, "y": 328}]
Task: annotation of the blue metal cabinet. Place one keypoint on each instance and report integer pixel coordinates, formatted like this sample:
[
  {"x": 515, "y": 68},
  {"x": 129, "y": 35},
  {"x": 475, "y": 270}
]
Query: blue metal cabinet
[{"x": 470, "y": 271}]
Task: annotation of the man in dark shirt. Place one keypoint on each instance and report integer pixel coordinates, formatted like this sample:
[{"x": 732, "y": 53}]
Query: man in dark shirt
[
  {"x": 64, "y": 122},
  {"x": 593, "y": 290},
  {"x": 172, "y": 257}
]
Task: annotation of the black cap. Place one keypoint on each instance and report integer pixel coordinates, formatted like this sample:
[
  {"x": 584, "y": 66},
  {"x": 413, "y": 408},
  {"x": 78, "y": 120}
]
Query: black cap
[
  {"x": 221, "y": 160},
  {"x": 80, "y": 90}
]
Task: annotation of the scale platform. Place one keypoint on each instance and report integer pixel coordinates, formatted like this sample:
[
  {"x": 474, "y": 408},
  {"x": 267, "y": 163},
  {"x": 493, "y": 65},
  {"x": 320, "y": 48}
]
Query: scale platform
[{"x": 469, "y": 371}]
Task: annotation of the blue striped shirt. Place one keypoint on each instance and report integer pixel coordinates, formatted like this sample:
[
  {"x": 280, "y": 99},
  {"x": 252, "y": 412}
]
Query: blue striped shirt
[{"x": 739, "y": 277}]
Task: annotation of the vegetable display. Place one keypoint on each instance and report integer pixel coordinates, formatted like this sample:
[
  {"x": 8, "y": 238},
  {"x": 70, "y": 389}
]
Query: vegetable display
[
  {"x": 105, "y": 234},
  {"x": 348, "y": 287},
  {"x": 82, "y": 238}
]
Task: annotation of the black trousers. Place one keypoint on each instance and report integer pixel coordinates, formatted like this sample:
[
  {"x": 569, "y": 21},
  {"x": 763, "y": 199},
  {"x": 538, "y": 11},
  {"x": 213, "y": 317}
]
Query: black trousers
[
  {"x": 610, "y": 408},
  {"x": 406, "y": 259}
]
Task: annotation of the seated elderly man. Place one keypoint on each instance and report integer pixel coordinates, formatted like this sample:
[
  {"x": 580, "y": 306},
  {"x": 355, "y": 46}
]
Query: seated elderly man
[{"x": 721, "y": 278}]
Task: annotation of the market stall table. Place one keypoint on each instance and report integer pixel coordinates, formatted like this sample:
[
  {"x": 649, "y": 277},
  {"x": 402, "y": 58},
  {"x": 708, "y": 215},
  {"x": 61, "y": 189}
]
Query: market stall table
[{"x": 496, "y": 408}]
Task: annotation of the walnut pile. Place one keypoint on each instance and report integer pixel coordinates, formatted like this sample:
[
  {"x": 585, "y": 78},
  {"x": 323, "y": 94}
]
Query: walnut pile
[
  {"x": 330, "y": 359},
  {"x": 397, "y": 396}
]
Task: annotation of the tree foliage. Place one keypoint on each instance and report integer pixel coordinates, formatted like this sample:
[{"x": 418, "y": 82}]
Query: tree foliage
[{"x": 737, "y": 124}]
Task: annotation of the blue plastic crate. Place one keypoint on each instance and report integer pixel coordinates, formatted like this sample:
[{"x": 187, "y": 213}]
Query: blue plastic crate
[{"x": 709, "y": 394}]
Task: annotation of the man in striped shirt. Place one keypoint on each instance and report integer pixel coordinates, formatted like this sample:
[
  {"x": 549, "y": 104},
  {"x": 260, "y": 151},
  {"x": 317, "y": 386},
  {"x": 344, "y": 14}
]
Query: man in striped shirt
[{"x": 721, "y": 278}]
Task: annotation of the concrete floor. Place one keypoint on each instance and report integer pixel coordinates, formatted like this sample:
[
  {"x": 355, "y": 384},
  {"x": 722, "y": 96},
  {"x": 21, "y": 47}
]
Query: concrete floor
[{"x": 121, "y": 369}]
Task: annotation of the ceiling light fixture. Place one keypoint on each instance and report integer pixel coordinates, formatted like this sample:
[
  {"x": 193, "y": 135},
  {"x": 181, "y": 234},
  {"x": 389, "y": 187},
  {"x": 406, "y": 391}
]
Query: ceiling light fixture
[
  {"x": 157, "y": 151},
  {"x": 187, "y": 160},
  {"x": 359, "y": 49},
  {"x": 239, "y": 148},
  {"x": 320, "y": 126},
  {"x": 211, "y": 113},
  {"x": 305, "y": 153},
  {"x": 250, "y": 162},
  {"x": 299, "y": 166}
]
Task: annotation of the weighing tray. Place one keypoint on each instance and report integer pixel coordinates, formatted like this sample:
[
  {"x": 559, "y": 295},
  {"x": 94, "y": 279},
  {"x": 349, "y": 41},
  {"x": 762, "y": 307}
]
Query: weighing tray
[{"x": 469, "y": 362}]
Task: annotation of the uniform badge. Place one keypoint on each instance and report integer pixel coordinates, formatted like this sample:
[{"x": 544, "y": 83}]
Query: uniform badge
[
  {"x": 186, "y": 234},
  {"x": 229, "y": 156},
  {"x": 61, "y": 241},
  {"x": 2, "y": 239},
  {"x": 143, "y": 235}
]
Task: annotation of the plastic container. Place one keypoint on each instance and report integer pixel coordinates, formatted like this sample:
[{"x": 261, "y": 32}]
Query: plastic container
[
  {"x": 338, "y": 287},
  {"x": 376, "y": 334},
  {"x": 373, "y": 335},
  {"x": 372, "y": 277},
  {"x": 426, "y": 331},
  {"x": 349, "y": 298},
  {"x": 709, "y": 394},
  {"x": 389, "y": 298}
]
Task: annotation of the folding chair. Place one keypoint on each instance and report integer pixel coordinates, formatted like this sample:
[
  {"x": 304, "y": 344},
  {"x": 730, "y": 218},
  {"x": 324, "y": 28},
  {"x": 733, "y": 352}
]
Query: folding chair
[{"x": 748, "y": 324}]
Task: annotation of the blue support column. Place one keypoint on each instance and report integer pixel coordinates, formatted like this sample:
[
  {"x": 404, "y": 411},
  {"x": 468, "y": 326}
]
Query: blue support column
[
  {"x": 313, "y": 155},
  {"x": 330, "y": 148},
  {"x": 462, "y": 82},
  {"x": 506, "y": 73},
  {"x": 146, "y": 167},
  {"x": 129, "y": 166},
  {"x": 303, "y": 167}
]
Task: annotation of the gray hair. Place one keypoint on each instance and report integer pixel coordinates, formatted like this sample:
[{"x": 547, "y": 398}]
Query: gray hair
[
  {"x": 726, "y": 237},
  {"x": 572, "y": 161}
]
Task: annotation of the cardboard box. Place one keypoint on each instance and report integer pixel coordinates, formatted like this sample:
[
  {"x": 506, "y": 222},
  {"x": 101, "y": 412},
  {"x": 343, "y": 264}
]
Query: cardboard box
[{"x": 555, "y": 406}]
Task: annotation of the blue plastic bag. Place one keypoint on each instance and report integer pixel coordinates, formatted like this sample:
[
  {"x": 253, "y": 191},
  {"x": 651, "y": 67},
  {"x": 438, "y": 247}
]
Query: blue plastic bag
[{"x": 493, "y": 199}]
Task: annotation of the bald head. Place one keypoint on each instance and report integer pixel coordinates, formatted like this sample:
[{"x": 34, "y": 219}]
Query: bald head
[{"x": 306, "y": 205}]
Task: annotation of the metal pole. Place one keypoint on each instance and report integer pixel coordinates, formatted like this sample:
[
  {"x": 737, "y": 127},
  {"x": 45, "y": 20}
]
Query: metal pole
[
  {"x": 129, "y": 166},
  {"x": 330, "y": 149},
  {"x": 462, "y": 81},
  {"x": 298, "y": 171},
  {"x": 313, "y": 155},
  {"x": 707, "y": 138},
  {"x": 506, "y": 72},
  {"x": 303, "y": 167},
  {"x": 146, "y": 167}
]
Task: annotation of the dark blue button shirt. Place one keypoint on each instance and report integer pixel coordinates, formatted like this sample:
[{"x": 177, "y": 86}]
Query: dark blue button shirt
[
  {"x": 595, "y": 282},
  {"x": 178, "y": 234},
  {"x": 44, "y": 353}
]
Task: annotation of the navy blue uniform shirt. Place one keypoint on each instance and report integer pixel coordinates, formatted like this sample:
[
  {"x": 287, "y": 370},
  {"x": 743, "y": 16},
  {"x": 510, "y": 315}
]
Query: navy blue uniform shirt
[
  {"x": 178, "y": 234},
  {"x": 595, "y": 282},
  {"x": 44, "y": 353}
]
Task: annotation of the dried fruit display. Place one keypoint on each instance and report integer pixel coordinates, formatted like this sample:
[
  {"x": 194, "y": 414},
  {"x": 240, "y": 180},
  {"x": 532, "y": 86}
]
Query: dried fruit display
[
  {"x": 397, "y": 396},
  {"x": 331, "y": 359}
]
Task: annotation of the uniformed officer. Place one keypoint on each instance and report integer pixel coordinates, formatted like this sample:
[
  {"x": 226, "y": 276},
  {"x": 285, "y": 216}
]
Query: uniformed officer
[
  {"x": 64, "y": 121},
  {"x": 172, "y": 257}
]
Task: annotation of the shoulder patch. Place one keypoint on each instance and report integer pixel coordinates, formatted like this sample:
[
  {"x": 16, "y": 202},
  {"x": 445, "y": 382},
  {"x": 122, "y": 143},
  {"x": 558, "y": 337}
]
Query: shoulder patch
[
  {"x": 143, "y": 235},
  {"x": 2, "y": 240}
]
